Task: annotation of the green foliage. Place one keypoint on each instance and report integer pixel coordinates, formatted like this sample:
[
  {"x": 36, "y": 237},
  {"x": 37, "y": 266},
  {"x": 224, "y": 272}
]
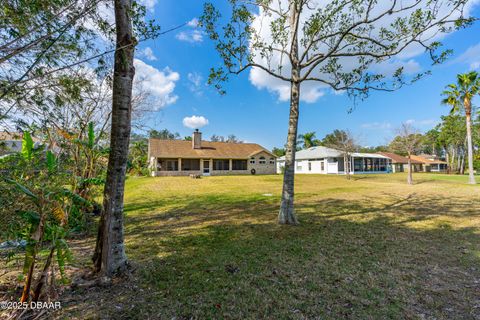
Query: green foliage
[
  {"x": 27, "y": 146},
  {"x": 164, "y": 134},
  {"x": 137, "y": 158},
  {"x": 51, "y": 162},
  {"x": 279, "y": 152},
  {"x": 459, "y": 96},
  {"x": 87, "y": 157},
  {"x": 307, "y": 140},
  {"x": 34, "y": 185},
  {"x": 91, "y": 136}
]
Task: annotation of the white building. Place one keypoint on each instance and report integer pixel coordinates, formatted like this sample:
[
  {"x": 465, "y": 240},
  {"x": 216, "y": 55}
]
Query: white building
[{"x": 330, "y": 161}]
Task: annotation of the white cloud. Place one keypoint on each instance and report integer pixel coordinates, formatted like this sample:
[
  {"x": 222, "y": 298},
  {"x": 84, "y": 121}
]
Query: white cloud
[
  {"x": 388, "y": 68},
  {"x": 471, "y": 56},
  {"x": 376, "y": 125},
  {"x": 422, "y": 123},
  {"x": 311, "y": 92},
  {"x": 149, "y": 4},
  {"x": 193, "y": 23},
  {"x": 195, "y": 122},
  {"x": 195, "y": 83},
  {"x": 195, "y": 79},
  {"x": 191, "y": 36},
  {"x": 147, "y": 53},
  {"x": 159, "y": 84}
]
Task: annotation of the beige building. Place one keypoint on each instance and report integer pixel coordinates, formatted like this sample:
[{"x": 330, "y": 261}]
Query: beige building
[
  {"x": 181, "y": 158},
  {"x": 400, "y": 163},
  {"x": 431, "y": 163}
]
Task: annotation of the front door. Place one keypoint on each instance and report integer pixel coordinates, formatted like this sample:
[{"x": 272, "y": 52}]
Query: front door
[{"x": 206, "y": 167}]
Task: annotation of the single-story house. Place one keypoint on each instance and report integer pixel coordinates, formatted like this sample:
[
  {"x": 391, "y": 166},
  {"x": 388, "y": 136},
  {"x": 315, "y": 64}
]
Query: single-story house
[
  {"x": 400, "y": 163},
  {"x": 431, "y": 163},
  {"x": 181, "y": 157},
  {"x": 330, "y": 161}
]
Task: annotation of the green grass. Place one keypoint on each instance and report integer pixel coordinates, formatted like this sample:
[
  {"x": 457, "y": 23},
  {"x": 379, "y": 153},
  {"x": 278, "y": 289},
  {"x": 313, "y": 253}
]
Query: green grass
[{"x": 369, "y": 248}]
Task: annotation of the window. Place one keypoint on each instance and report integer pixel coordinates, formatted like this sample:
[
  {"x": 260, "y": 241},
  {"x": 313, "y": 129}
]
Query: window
[
  {"x": 190, "y": 164},
  {"x": 168, "y": 164},
  {"x": 322, "y": 166},
  {"x": 357, "y": 164},
  {"x": 221, "y": 164},
  {"x": 239, "y": 164},
  {"x": 252, "y": 160},
  {"x": 383, "y": 164},
  {"x": 262, "y": 160},
  {"x": 272, "y": 161},
  {"x": 299, "y": 168},
  {"x": 309, "y": 166}
]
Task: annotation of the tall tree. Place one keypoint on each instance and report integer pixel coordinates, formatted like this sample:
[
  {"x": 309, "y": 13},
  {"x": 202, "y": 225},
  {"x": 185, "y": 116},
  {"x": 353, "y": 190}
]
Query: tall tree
[
  {"x": 308, "y": 140},
  {"x": 110, "y": 257},
  {"x": 344, "y": 141},
  {"x": 37, "y": 36},
  {"x": 459, "y": 97},
  {"x": 332, "y": 43},
  {"x": 408, "y": 141},
  {"x": 452, "y": 138},
  {"x": 431, "y": 142}
]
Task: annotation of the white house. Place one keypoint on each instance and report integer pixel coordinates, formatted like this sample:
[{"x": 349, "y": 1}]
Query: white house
[{"x": 327, "y": 160}]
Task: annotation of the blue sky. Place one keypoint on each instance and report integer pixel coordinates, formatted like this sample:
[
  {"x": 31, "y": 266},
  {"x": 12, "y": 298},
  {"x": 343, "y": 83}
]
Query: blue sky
[{"x": 181, "y": 61}]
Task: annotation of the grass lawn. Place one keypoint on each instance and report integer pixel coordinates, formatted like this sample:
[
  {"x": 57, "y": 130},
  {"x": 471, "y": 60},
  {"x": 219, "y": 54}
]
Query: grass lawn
[{"x": 369, "y": 248}]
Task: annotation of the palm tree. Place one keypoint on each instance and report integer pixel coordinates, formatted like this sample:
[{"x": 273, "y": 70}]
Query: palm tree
[
  {"x": 308, "y": 140},
  {"x": 459, "y": 97}
]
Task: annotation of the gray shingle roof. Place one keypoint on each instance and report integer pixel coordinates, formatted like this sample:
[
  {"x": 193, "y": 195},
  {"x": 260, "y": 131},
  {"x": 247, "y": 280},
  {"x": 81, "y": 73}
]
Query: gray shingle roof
[{"x": 324, "y": 152}]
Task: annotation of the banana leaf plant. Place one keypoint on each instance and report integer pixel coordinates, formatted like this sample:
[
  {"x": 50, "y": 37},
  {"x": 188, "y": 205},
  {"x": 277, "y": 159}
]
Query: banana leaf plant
[{"x": 45, "y": 207}]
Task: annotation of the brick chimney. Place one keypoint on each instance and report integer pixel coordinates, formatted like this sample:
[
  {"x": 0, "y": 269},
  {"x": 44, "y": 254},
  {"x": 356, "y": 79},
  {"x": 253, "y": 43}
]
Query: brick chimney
[{"x": 197, "y": 139}]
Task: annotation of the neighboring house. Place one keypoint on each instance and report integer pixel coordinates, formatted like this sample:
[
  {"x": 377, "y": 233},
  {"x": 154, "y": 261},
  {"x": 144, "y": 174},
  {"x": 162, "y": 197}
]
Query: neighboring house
[
  {"x": 11, "y": 142},
  {"x": 180, "y": 157},
  {"x": 400, "y": 163},
  {"x": 431, "y": 163},
  {"x": 327, "y": 160}
]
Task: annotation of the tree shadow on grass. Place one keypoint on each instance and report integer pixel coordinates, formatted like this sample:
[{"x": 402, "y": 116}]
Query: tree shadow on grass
[{"x": 218, "y": 257}]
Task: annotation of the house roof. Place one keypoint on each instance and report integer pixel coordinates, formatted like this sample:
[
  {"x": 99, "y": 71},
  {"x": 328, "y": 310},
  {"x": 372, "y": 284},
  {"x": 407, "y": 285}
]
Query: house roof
[
  {"x": 324, "y": 152},
  {"x": 210, "y": 150},
  {"x": 398, "y": 158},
  {"x": 424, "y": 160}
]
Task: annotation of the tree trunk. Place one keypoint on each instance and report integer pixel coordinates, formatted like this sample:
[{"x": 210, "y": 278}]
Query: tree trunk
[
  {"x": 110, "y": 249},
  {"x": 449, "y": 167},
  {"x": 346, "y": 164},
  {"x": 462, "y": 164},
  {"x": 471, "y": 177},
  {"x": 286, "y": 215},
  {"x": 410, "y": 174}
]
